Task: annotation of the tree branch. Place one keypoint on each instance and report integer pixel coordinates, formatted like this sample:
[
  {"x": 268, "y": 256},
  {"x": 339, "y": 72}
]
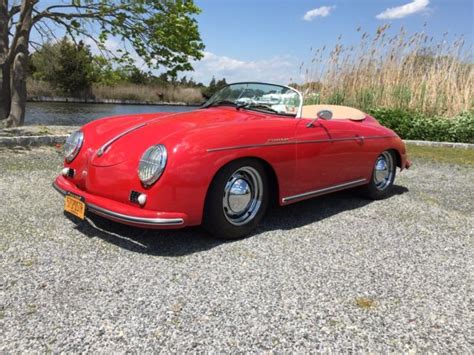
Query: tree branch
[
  {"x": 85, "y": 34},
  {"x": 98, "y": 11},
  {"x": 13, "y": 11}
]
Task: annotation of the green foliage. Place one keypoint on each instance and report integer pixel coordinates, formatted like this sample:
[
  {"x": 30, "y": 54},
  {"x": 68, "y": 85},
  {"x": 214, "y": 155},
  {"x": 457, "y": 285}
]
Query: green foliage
[
  {"x": 106, "y": 74},
  {"x": 412, "y": 125},
  {"x": 75, "y": 72},
  {"x": 67, "y": 66},
  {"x": 366, "y": 98},
  {"x": 163, "y": 33},
  {"x": 43, "y": 63},
  {"x": 137, "y": 76},
  {"x": 71, "y": 70},
  {"x": 312, "y": 99},
  {"x": 336, "y": 98},
  {"x": 401, "y": 96}
]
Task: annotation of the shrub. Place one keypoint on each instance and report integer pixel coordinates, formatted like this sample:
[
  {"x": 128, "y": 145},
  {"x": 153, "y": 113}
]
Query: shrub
[
  {"x": 65, "y": 65},
  {"x": 413, "y": 125}
]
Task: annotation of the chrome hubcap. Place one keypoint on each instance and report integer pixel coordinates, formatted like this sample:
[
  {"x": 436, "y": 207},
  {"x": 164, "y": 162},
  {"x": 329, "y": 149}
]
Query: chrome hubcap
[
  {"x": 242, "y": 196},
  {"x": 384, "y": 169}
]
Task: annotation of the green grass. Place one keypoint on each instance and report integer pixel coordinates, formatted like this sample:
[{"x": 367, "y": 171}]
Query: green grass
[{"x": 440, "y": 154}]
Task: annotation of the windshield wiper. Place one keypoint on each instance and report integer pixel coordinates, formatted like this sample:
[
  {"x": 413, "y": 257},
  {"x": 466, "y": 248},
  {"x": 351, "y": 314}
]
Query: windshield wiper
[
  {"x": 260, "y": 106},
  {"x": 219, "y": 103}
]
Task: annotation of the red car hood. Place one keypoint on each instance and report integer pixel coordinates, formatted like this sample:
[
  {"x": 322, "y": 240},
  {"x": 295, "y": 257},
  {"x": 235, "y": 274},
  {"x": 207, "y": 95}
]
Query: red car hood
[{"x": 126, "y": 136}]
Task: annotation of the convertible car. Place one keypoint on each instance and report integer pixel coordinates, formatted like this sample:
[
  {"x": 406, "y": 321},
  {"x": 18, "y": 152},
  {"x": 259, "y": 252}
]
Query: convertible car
[{"x": 222, "y": 165}]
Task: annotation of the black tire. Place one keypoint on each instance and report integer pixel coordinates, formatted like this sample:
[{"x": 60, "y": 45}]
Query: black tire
[
  {"x": 223, "y": 225},
  {"x": 378, "y": 189}
]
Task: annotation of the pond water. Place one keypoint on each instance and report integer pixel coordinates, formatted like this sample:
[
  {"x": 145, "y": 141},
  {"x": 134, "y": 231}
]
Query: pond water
[{"x": 74, "y": 114}]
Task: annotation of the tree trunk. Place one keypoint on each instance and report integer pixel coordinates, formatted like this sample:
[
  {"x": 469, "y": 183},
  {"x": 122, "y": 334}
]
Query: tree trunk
[
  {"x": 18, "y": 91},
  {"x": 5, "y": 95},
  {"x": 19, "y": 66}
]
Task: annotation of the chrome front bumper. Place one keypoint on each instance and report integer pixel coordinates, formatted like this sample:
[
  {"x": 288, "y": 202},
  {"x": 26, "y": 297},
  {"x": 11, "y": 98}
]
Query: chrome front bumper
[{"x": 124, "y": 218}]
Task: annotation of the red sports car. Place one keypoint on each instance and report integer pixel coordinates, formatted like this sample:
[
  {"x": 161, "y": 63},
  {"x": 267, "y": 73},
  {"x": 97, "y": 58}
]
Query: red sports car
[{"x": 224, "y": 163}]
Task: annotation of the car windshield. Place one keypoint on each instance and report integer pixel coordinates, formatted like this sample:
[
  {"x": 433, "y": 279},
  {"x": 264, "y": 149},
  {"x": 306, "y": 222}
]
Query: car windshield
[{"x": 270, "y": 98}]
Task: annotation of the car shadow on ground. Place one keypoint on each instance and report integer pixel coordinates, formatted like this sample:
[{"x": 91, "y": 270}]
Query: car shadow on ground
[{"x": 195, "y": 239}]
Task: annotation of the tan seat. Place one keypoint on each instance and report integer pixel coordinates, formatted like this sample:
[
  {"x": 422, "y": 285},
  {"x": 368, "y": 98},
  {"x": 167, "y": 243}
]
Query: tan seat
[{"x": 338, "y": 112}]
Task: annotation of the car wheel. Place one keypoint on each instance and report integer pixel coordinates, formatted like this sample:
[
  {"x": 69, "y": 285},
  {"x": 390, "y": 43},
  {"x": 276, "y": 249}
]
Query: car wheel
[
  {"x": 383, "y": 176},
  {"x": 237, "y": 199}
]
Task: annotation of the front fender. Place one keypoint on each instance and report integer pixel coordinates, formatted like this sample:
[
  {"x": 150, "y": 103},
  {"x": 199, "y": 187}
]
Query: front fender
[{"x": 194, "y": 158}]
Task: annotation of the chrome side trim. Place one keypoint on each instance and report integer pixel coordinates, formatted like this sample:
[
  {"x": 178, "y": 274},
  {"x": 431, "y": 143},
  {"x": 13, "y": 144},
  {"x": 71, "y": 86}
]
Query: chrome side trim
[
  {"x": 102, "y": 149},
  {"x": 379, "y": 137},
  {"x": 356, "y": 138},
  {"x": 330, "y": 140},
  {"x": 249, "y": 146},
  {"x": 126, "y": 218},
  {"x": 326, "y": 190},
  {"x": 58, "y": 189}
]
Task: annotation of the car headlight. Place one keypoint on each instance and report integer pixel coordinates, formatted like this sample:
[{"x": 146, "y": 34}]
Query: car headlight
[
  {"x": 73, "y": 145},
  {"x": 152, "y": 164}
]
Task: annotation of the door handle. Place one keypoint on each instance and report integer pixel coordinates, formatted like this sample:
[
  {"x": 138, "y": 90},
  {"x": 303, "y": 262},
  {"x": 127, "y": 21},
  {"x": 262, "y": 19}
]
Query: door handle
[{"x": 359, "y": 139}]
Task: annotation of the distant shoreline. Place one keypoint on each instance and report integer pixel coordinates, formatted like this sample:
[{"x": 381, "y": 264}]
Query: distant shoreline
[{"x": 78, "y": 100}]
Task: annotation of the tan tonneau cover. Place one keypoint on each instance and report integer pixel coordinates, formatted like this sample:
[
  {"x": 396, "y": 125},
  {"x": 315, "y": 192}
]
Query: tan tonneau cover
[{"x": 338, "y": 112}]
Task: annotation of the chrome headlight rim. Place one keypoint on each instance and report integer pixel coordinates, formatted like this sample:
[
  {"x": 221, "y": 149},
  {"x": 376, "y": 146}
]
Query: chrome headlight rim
[
  {"x": 152, "y": 164},
  {"x": 73, "y": 145}
]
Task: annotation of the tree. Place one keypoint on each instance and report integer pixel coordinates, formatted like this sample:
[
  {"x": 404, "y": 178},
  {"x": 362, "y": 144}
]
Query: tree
[
  {"x": 164, "y": 33},
  {"x": 213, "y": 87},
  {"x": 137, "y": 76},
  {"x": 220, "y": 84},
  {"x": 66, "y": 66},
  {"x": 105, "y": 72}
]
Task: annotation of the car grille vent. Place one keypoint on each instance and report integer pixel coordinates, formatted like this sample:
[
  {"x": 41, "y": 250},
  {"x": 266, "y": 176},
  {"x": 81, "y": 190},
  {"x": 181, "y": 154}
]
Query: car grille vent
[
  {"x": 70, "y": 173},
  {"x": 134, "y": 196}
]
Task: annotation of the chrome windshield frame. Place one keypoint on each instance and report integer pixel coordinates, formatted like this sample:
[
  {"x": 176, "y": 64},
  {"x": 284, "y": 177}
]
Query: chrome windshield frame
[{"x": 300, "y": 95}]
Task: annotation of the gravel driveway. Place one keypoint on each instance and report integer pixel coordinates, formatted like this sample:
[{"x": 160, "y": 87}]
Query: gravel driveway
[{"x": 336, "y": 273}]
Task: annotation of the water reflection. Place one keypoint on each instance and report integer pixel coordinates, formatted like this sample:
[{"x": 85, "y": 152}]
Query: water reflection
[{"x": 74, "y": 114}]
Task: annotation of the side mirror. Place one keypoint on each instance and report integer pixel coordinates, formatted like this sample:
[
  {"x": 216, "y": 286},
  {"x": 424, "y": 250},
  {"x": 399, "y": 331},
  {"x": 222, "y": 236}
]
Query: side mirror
[{"x": 323, "y": 115}]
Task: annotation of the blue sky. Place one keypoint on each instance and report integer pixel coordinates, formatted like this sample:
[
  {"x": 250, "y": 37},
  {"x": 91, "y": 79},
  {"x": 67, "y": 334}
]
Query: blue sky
[{"x": 268, "y": 39}]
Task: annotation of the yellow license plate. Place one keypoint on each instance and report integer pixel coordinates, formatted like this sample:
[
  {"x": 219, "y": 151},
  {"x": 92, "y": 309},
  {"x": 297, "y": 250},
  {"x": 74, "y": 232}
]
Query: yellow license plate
[{"x": 75, "y": 206}]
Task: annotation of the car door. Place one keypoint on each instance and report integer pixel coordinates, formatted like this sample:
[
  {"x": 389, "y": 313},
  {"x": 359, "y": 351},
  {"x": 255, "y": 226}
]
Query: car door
[{"x": 329, "y": 153}]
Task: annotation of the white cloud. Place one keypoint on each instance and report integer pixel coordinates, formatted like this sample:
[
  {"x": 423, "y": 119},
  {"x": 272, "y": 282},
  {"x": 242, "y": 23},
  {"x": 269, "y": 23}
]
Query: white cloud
[
  {"x": 404, "y": 10},
  {"x": 110, "y": 44},
  {"x": 280, "y": 69},
  {"x": 322, "y": 11}
]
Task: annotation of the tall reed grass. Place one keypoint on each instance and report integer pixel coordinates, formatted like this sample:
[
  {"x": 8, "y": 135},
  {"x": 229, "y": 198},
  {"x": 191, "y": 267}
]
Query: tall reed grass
[
  {"x": 148, "y": 93},
  {"x": 143, "y": 93},
  {"x": 400, "y": 71}
]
